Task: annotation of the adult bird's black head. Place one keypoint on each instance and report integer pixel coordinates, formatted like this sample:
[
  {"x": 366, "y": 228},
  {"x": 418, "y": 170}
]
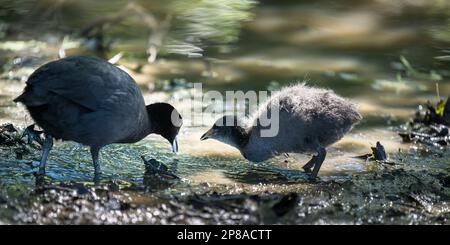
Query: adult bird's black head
[{"x": 165, "y": 121}]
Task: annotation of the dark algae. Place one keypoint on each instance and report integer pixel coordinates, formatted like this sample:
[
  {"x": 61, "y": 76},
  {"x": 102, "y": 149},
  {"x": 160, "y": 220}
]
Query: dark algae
[
  {"x": 430, "y": 125},
  {"x": 378, "y": 155},
  {"x": 157, "y": 175}
]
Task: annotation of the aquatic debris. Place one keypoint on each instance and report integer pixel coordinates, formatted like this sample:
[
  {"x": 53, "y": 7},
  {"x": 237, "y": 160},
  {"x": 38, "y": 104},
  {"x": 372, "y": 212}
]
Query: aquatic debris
[
  {"x": 153, "y": 166},
  {"x": 10, "y": 137},
  {"x": 412, "y": 72},
  {"x": 157, "y": 175},
  {"x": 439, "y": 114},
  {"x": 8, "y": 134},
  {"x": 378, "y": 154},
  {"x": 33, "y": 135},
  {"x": 286, "y": 204},
  {"x": 430, "y": 126},
  {"x": 436, "y": 135}
]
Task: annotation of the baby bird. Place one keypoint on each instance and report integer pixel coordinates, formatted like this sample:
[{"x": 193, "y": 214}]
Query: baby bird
[{"x": 309, "y": 120}]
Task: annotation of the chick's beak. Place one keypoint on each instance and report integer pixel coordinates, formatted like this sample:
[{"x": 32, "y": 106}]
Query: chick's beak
[
  {"x": 175, "y": 145},
  {"x": 209, "y": 134}
]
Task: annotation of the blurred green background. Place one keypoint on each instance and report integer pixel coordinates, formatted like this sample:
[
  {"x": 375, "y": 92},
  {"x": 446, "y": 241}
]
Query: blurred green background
[{"x": 247, "y": 44}]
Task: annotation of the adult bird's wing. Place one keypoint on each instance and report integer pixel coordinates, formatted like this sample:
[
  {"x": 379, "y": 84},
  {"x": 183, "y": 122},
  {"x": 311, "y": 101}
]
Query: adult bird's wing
[{"x": 89, "y": 82}]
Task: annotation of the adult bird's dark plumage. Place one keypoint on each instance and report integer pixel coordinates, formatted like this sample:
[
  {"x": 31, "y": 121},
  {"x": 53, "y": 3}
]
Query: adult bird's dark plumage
[
  {"x": 310, "y": 119},
  {"x": 92, "y": 102}
]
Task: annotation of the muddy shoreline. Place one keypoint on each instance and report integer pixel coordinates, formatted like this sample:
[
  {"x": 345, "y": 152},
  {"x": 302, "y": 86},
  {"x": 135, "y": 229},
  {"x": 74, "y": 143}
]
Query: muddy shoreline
[{"x": 401, "y": 194}]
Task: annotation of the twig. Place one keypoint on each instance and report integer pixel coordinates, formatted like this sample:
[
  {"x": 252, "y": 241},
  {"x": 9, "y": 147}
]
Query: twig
[{"x": 437, "y": 92}]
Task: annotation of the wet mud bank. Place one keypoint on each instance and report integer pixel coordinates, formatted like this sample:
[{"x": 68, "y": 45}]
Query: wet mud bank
[{"x": 398, "y": 194}]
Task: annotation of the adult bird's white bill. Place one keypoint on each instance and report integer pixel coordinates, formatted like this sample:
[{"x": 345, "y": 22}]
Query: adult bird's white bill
[{"x": 175, "y": 145}]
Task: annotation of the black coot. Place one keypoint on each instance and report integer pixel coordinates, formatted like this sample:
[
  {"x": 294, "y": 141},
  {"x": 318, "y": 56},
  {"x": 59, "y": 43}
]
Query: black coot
[{"x": 92, "y": 102}]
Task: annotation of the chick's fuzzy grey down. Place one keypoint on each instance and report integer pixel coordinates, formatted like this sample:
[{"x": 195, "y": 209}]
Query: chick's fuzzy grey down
[{"x": 309, "y": 118}]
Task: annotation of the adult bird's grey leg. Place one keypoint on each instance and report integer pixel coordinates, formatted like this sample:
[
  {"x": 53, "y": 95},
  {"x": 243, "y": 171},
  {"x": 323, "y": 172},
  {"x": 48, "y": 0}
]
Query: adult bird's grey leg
[
  {"x": 319, "y": 160},
  {"x": 97, "y": 171},
  {"x": 307, "y": 167},
  {"x": 47, "y": 146}
]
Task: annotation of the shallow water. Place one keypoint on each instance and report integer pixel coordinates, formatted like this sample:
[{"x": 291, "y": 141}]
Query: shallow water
[{"x": 351, "y": 48}]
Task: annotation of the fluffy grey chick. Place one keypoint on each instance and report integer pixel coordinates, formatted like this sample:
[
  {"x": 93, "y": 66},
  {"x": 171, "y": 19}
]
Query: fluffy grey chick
[{"x": 309, "y": 119}]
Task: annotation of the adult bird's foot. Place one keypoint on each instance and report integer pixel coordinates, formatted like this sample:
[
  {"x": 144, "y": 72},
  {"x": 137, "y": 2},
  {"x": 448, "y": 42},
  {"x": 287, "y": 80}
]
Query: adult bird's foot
[
  {"x": 33, "y": 135},
  {"x": 39, "y": 173},
  {"x": 307, "y": 170},
  {"x": 313, "y": 177},
  {"x": 37, "y": 165},
  {"x": 97, "y": 178},
  {"x": 40, "y": 170},
  {"x": 40, "y": 177}
]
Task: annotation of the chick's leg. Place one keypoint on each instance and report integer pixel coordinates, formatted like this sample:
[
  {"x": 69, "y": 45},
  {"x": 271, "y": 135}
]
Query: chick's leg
[
  {"x": 307, "y": 167},
  {"x": 319, "y": 160}
]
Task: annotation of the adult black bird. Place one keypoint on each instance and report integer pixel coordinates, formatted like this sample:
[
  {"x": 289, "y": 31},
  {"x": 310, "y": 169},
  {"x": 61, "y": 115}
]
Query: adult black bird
[{"x": 92, "y": 102}]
